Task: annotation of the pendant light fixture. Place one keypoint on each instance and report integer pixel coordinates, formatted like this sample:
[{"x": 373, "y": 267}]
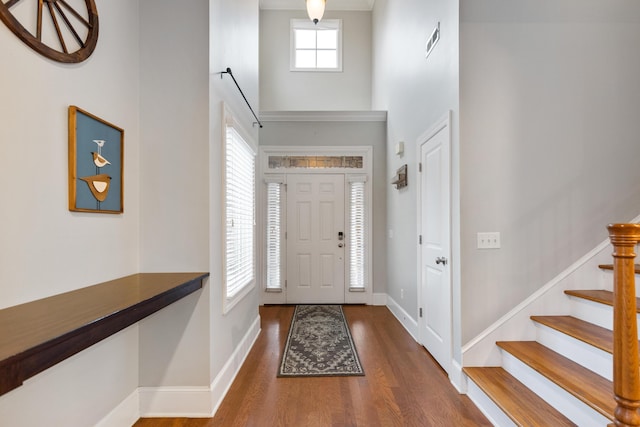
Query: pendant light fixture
[{"x": 315, "y": 9}]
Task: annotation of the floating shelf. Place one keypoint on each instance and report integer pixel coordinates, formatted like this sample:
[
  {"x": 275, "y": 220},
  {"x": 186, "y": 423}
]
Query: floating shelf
[{"x": 37, "y": 335}]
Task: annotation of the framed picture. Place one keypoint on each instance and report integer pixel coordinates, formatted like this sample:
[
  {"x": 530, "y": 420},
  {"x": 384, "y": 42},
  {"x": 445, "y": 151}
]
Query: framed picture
[{"x": 96, "y": 155}]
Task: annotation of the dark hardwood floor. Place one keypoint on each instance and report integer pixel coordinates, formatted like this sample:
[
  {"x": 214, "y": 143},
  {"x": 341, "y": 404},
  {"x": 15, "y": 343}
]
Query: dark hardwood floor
[{"x": 402, "y": 386}]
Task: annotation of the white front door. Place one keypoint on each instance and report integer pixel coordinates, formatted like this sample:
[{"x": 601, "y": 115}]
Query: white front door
[
  {"x": 435, "y": 278},
  {"x": 315, "y": 250}
]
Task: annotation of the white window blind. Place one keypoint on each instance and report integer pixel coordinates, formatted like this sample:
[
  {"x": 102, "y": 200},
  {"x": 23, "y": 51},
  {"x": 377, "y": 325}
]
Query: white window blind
[
  {"x": 274, "y": 208},
  {"x": 357, "y": 234},
  {"x": 239, "y": 213}
]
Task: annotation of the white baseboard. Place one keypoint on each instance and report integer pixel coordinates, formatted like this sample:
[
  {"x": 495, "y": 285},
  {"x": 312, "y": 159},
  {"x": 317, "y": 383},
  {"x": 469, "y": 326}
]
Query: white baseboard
[
  {"x": 227, "y": 374},
  {"x": 379, "y": 299},
  {"x": 457, "y": 378},
  {"x": 125, "y": 414},
  {"x": 197, "y": 402},
  {"x": 192, "y": 402},
  {"x": 409, "y": 323}
]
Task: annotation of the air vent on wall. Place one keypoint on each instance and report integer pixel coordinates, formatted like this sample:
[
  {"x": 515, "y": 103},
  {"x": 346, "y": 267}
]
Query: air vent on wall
[{"x": 433, "y": 40}]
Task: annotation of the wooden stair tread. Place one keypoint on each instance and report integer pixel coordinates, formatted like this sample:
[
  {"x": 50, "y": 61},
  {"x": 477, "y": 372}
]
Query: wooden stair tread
[
  {"x": 610, "y": 267},
  {"x": 585, "y": 385},
  {"x": 598, "y": 295},
  {"x": 519, "y": 403},
  {"x": 589, "y": 333}
]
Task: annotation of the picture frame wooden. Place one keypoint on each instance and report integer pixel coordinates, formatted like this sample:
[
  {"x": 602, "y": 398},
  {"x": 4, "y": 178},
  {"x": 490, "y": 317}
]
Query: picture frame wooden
[{"x": 96, "y": 164}]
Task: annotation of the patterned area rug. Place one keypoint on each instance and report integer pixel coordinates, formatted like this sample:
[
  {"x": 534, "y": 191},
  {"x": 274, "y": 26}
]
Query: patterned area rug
[{"x": 319, "y": 344}]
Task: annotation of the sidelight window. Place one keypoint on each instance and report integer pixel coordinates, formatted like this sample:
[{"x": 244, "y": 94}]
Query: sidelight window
[
  {"x": 274, "y": 236},
  {"x": 357, "y": 233}
]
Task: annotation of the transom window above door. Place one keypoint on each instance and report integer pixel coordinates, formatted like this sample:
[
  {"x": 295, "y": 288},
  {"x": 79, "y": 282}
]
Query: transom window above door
[
  {"x": 315, "y": 162},
  {"x": 316, "y": 47}
]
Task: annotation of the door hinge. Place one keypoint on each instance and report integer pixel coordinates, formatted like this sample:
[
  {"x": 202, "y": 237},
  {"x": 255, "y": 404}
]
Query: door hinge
[
  {"x": 420, "y": 311},
  {"x": 285, "y": 284},
  {"x": 285, "y": 235},
  {"x": 420, "y": 239},
  {"x": 420, "y": 167}
]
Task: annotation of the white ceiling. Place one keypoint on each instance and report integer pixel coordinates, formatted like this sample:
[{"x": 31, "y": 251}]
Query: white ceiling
[{"x": 331, "y": 4}]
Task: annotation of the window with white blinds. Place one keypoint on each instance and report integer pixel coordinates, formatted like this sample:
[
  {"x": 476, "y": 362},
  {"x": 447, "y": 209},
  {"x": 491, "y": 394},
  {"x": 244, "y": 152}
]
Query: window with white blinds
[
  {"x": 239, "y": 214},
  {"x": 357, "y": 234},
  {"x": 274, "y": 235}
]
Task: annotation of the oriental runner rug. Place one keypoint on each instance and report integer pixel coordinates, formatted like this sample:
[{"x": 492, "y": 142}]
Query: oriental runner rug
[{"x": 319, "y": 344}]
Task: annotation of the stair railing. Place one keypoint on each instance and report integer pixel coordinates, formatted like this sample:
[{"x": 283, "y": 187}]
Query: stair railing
[{"x": 626, "y": 363}]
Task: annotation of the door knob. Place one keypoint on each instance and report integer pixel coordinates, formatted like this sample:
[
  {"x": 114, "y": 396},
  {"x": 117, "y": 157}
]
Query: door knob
[
  {"x": 441, "y": 260},
  {"x": 340, "y": 244}
]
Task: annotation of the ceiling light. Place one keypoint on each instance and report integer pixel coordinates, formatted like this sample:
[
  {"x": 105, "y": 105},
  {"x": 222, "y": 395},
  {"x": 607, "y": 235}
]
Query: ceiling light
[{"x": 315, "y": 9}]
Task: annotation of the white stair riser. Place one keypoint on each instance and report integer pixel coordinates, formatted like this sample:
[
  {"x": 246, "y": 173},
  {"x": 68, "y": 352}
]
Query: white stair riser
[
  {"x": 564, "y": 402},
  {"x": 580, "y": 352},
  {"x": 593, "y": 312},
  {"x": 607, "y": 281},
  {"x": 494, "y": 414}
]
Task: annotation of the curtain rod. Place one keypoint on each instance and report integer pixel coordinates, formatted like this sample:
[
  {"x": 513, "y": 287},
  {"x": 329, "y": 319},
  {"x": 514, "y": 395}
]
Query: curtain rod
[{"x": 241, "y": 93}]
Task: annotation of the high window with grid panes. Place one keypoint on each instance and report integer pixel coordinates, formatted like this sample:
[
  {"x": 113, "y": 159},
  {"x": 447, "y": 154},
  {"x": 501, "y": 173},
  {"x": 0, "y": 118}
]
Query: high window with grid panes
[{"x": 316, "y": 47}]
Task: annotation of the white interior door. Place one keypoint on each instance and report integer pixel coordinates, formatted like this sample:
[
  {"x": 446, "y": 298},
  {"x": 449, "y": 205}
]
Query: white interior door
[
  {"x": 315, "y": 251},
  {"x": 435, "y": 225}
]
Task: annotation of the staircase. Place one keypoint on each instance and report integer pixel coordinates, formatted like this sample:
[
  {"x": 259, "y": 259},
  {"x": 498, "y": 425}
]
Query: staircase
[{"x": 565, "y": 377}]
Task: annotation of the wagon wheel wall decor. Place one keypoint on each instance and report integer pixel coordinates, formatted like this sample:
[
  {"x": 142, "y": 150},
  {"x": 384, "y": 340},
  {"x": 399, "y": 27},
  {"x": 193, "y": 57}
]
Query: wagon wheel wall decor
[{"x": 62, "y": 30}]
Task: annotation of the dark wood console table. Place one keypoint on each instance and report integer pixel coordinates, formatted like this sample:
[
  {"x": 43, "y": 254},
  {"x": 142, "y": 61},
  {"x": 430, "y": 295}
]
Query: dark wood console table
[{"x": 36, "y": 335}]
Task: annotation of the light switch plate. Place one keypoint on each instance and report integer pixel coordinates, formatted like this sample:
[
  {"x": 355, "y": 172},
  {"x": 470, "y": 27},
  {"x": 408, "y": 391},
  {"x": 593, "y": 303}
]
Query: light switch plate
[{"x": 489, "y": 240}]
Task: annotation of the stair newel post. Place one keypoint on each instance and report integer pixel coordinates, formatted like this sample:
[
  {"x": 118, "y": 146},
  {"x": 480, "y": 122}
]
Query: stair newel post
[{"x": 626, "y": 372}]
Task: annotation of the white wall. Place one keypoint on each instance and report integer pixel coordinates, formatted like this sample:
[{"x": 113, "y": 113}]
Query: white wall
[
  {"x": 549, "y": 137},
  {"x": 283, "y": 90},
  {"x": 150, "y": 75},
  {"x": 346, "y": 134},
  {"x": 547, "y": 128},
  {"x": 45, "y": 249},
  {"x": 174, "y": 127},
  {"x": 417, "y": 92},
  {"x": 174, "y": 121},
  {"x": 183, "y": 48},
  {"x": 234, "y": 44}
]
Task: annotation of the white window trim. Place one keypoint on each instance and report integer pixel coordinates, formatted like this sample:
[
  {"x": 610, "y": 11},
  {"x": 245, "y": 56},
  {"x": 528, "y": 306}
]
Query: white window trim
[
  {"x": 306, "y": 24},
  {"x": 228, "y": 119}
]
